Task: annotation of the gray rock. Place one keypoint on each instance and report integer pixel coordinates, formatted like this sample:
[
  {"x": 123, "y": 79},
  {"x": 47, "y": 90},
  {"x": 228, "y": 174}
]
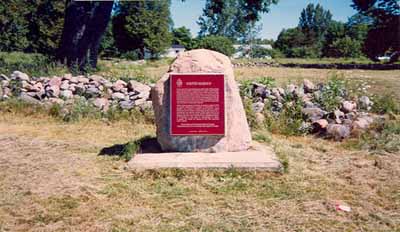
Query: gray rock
[
  {"x": 118, "y": 96},
  {"x": 313, "y": 114},
  {"x": 320, "y": 124},
  {"x": 20, "y": 76},
  {"x": 74, "y": 80},
  {"x": 29, "y": 99},
  {"x": 309, "y": 87},
  {"x": 257, "y": 107},
  {"x": 67, "y": 94},
  {"x": 92, "y": 91},
  {"x": 127, "y": 105},
  {"x": 4, "y": 83},
  {"x": 64, "y": 85},
  {"x": 338, "y": 131},
  {"x": 365, "y": 103},
  {"x": 97, "y": 78},
  {"x": 348, "y": 106},
  {"x": 291, "y": 88}
]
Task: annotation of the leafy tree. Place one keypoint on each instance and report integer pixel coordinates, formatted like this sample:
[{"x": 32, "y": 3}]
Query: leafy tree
[
  {"x": 107, "y": 45},
  {"x": 314, "y": 22},
  {"x": 288, "y": 39},
  {"x": 217, "y": 43},
  {"x": 345, "y": 47},
  {"x": 384, "y": 35},
  {"x": 183, "y": 37},
  {"x": 231, "y": 18},
  {"x": 31, "y": 26},
  {"x": 142, "y": 25},
  {"x": 13, "y": 26}
]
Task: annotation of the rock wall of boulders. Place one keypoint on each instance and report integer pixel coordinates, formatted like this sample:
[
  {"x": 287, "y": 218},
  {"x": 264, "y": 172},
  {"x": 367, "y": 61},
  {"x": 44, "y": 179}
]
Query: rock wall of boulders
[
  {"x": 101, "y": 92},
  {"x": 350, "y": 117}
]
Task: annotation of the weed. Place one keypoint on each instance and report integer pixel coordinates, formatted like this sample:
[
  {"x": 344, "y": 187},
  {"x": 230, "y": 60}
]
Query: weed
[
  {"x": 262, "y": 136},
  {"x": 383, "y": 136},
  {"x": 130, "y": 149},
  {"x": 332, "y": 93},
  {"x": 385, "y": 103},
  {"x": 80, "y": 109}
]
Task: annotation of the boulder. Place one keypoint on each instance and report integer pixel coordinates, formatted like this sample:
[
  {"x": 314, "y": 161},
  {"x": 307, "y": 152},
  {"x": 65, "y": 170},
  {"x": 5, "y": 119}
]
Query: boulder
[
  {"x": 309, "y": 87},
  {"x": 320, "y": 124},
  {"x": 20, "y": 76},
  {"x": 348, "y": 106},
  {"x": 29, "y": 99},
  {"x": 67, "y": 94},
  {"x": 55, "y": 81},
  {"x": 127, "y": 105},
  {"x": 53, "y": 91},
  {"x": 4, "y": 78},
  {"x": 118, "y": 96},
  {"x": 119, "y": 85},
  {"x": 338, "y": 131},
  {"x": 237, "y": 136},
  {"x": 101, "y": 103},
  {"x": 313, "y": 114},
  {"x": 257, "y": 107},
  {"x": 365, "y": 103},
  {"x": 137, "y": 86}
]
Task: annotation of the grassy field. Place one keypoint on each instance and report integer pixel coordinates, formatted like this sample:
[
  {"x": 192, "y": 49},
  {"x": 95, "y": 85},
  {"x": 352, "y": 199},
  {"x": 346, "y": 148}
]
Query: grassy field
[{"x": 53, "y": 179}]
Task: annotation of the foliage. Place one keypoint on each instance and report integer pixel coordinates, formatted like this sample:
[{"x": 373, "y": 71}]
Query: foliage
[
  {"x": 31, "y": 26},
  {"x": 231, "y": 18},
  {"x": 34, "y": 64},
  {"x": 183, "y": 37},
  {"x": 217, "y": 43},
  {"x": 345, "y": 47},
  {"x": 314, "y": 22},
  {"x": 107, "y": 45},
  {"x": 384, "y": 35},
  {"x": 288, "y": 40},
  {"x": 257, "y": 51},
  {"x": 332, "y": 93},
  {"x": 384, "y": 104},
  {"x": 384, "y": 136},
  {"x": 142, "y": 25}
]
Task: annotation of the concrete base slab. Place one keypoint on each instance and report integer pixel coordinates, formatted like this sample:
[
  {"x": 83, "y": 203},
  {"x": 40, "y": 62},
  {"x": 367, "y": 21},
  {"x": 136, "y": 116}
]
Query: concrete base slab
[{"x": 259, "y": 158}]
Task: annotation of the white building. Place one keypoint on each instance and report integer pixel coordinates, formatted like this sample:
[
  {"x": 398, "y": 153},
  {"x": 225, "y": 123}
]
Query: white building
[
  {"x": 242, "y": 50},
  {"x": 174, "y": 50}
]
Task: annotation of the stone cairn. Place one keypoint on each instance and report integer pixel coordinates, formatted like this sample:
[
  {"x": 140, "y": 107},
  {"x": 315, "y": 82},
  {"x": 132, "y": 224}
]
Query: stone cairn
[
  {"x": 64, "y": 90},
  {"x": 351, "y": 117}
]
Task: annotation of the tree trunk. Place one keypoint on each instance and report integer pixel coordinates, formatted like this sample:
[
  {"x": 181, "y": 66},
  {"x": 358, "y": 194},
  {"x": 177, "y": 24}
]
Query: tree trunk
[{"x": 84, "y": 25}]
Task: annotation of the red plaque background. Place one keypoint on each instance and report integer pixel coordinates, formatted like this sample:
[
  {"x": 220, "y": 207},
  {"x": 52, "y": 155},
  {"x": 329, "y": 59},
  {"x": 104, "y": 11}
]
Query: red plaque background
[{"x": 197, "y": 104}]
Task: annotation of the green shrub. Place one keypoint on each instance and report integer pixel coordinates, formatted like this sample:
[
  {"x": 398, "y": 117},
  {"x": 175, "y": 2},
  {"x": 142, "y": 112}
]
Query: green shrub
[
  {"x": 217, "y": 43},
  {"x": 33, "y": 64},
  {"x": 384, "y": 104},
  {"x": 384, "y": 136},
  {"x": 332, "y": 93},
  {"x": 80, "y": 109}
]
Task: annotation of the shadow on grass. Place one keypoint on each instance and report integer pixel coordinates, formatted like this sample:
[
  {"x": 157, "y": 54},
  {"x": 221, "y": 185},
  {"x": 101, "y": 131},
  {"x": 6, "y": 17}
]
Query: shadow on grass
[{"x": 145, "y": 144}]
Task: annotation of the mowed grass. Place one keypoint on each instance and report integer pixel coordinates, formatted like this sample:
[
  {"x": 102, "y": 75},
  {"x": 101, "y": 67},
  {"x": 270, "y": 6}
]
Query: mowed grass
[{"x": 53, "y": 179}]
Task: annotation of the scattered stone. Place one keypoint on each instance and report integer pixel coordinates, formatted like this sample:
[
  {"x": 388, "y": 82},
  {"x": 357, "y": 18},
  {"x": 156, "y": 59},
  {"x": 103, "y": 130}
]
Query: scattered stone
[
  {"x": 258, "y": 107},
  {"x": 119, "y": 85},
  {"x": 83, "y": 80},
  {"x": 55, "y": 81},
  {"x": 19, "y": 76},
  {"x": 29, "y": 99},
  {"x": 338, "y": 131},
  {"x": 101, "y": 103},
  {"x": 320, "y": 124},
  {"x": 64, "y": 85},
  {"x": 67, "y": 94},
  {"x": 365, "y": 103},
  {"x": 313, "y": 114},
  {"x": 348, "y": 106},
  {"x": 127, "y": 105},
  {"x": 309, "y": 87},
  {"x": 118, "y": 96}
]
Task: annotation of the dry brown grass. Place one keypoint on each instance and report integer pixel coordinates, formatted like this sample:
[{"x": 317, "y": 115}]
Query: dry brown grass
[{"x": 52, "y": 179}]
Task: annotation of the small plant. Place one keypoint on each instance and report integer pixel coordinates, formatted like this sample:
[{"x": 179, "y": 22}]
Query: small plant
[
  {"x": 129, "y": 150},
  {"x": 385, "y": 104},
  {"x": 332, "y": 93},
  {"x": 269, "y": 82},
  {"x": 81, "y": 109}
]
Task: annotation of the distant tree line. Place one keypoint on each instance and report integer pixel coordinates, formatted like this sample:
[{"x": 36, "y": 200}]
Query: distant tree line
[
  {"x": 372, "y": 32},
  {"x": 77, "y": 32}
]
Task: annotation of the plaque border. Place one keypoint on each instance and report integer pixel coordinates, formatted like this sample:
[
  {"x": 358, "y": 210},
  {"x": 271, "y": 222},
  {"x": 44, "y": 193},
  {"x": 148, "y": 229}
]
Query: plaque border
[{"x": 170, "y": 103}]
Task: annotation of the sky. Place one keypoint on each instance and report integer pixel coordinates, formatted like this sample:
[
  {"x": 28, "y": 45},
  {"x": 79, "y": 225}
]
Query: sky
[{"x": 283, "y": 15}]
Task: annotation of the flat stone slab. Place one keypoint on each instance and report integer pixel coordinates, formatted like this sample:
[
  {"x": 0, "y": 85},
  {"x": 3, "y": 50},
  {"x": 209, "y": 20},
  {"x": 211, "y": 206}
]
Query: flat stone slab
[{"x": 260, "y": 158}]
